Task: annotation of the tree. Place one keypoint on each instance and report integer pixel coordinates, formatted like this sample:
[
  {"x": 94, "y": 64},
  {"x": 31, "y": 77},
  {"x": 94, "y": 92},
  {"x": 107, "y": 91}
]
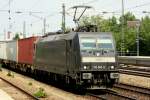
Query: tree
[
  {"x": 145, "y": 36},
  {"x": 114, "y": 26},
  {"x": 16, "y": 37}
]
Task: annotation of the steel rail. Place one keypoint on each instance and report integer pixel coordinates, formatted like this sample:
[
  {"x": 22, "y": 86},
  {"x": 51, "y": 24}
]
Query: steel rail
[
  {"x": 132, "y": 72},
  {"x": 24, "y": 91},
  {"x": 109, "y": 91},
  {"x": 137, "y": 89},
  {"x": 112, "y": 93},
  {"x": 97, "y": 96}
]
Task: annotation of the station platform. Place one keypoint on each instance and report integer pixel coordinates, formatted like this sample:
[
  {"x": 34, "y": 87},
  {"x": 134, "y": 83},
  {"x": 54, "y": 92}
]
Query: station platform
[{"x": 4, "y": 95}]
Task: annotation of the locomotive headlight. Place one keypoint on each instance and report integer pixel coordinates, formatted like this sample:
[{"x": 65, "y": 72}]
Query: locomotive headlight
[
  {"x": 97, "y": 54},
  {"x": 85, "y": 67},
  {"x": 112, "y": 67}
]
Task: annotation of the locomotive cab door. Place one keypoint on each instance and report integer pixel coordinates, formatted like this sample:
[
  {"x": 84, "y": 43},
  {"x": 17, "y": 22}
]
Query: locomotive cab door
[{"x": 69, "y": 55}]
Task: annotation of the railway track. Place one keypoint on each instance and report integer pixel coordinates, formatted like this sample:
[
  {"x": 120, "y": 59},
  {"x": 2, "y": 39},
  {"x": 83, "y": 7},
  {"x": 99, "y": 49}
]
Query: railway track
[
  {"x": 137, "y": 68},
  {"x": 136, "y": 89},
  {"x": 97, "y": 96},
  {"x": 138, "y": 93},
  {"x": 135, "y": 72},
  {"x": 125, "y": 92},
  {"x": 110, "y": 94},
  {"x": 20, "y": 89}
]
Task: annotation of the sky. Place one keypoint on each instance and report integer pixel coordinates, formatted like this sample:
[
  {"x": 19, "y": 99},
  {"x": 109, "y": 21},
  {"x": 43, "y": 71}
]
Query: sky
[{"x": 51, "y": 10}]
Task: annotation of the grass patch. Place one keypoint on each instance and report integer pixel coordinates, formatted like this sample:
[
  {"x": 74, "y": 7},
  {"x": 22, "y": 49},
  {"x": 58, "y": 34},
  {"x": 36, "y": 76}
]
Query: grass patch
[
  {"x": 30, "y": 83},
  {"x": 10, "y": 74},
  {"x": 40, "y": 93}
]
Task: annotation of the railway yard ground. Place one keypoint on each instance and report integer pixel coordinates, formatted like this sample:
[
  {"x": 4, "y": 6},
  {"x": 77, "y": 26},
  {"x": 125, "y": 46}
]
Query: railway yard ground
[
  {"x": 10, "y": 92},
  {"x": 32, "y": 87},
  {"x": 136, "y": 76},
  {"x": 130, "y": 87}
]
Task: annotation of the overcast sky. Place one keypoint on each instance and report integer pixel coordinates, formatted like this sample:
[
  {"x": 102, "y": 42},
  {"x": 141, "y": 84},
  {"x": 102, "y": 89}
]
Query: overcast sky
[{"x": 51, "y": 10}]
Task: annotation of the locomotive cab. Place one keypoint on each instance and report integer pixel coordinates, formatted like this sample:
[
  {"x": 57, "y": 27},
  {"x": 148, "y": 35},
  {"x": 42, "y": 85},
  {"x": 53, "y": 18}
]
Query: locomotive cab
[{"x": 98, "y": 59}]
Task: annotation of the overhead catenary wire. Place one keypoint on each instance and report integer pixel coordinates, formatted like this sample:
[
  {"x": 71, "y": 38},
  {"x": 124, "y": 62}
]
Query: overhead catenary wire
[
  {"x": 141, "y": 5},
  {"x": 118, "y": 12},
  {"x": 93, "y": 1},
  {"x": 34, "y": 4},
  {"x": 134, "y": 7},
  {"x": 90, "y": 2},
  {"x": 6, "y": 4}
]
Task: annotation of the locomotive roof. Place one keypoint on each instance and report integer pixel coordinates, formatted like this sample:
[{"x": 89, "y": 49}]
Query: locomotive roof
[
  {"x": 71, "y": 35},
  {"x": 58, "y": 37},
  {"x": 95, "y": 34}
]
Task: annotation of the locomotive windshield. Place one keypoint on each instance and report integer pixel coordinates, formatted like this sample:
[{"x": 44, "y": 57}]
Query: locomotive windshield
[
  {"x": 104, "y": 44},
  {"x": 88, "y": 43},
  {"x": 94, "y": 46}
]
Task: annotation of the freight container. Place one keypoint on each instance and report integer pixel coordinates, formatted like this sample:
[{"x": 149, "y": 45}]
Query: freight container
[
  {"x": 26, "y": 50},
  {"x": 12, "y": 51},
  {"x": 3, "y": 50}
]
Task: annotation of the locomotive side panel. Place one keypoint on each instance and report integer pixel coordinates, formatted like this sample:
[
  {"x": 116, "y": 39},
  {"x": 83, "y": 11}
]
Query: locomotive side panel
[
  {"x": 50, "y": 56},
  {"x": 26, "y": 50},
  {"x": 12, "y": 51}
]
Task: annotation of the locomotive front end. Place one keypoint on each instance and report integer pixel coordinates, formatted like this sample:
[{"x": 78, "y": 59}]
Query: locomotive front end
[{"x": 98, "y": 60}]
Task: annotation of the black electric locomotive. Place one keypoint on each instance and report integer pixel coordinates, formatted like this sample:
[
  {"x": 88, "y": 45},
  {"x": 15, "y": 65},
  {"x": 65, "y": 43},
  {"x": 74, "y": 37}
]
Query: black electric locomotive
[{"x": 87, "y": 59}]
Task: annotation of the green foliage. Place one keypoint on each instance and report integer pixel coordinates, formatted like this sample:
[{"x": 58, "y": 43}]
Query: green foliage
[
  {"x": 40, "y": 93},
  {"x": 16, "y": 37},
  {"x": 10, "y": 74},
  {"x": 30, "y": 83},
  {"x": 114, "y": 26},
  {"x": 127, "y": 17}
]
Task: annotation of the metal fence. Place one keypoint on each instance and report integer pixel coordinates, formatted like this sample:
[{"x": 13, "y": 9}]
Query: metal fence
[{"x": 130, "y": 53}]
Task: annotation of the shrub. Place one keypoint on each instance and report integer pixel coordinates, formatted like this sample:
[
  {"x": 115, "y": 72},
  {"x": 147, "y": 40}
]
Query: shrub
[
  {"x": 40, "y": 93},
  {"x": 30, "y": 83},
  {"x": 10, "y": 74}
]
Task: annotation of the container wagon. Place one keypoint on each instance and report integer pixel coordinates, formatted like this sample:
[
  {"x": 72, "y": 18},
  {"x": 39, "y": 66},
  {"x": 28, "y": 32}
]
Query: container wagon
[
  {"x": 26, "y": 53},
  {"x": 2, "y": 51}
]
